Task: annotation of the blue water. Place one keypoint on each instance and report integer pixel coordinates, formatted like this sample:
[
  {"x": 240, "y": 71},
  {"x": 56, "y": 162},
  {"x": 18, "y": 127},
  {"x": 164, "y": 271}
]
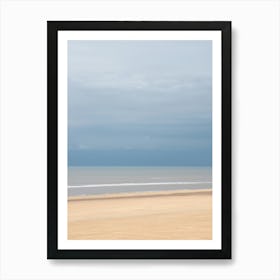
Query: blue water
[{"x": 106, "y": 180}]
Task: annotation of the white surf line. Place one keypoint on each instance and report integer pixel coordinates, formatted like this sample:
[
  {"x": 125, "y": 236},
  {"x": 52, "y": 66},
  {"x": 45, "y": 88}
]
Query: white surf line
[{"x": 138, "y": 184}]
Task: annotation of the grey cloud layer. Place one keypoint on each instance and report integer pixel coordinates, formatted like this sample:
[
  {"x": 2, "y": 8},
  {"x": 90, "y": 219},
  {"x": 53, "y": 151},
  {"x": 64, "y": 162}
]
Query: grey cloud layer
[{"x": 140, "y": 95}]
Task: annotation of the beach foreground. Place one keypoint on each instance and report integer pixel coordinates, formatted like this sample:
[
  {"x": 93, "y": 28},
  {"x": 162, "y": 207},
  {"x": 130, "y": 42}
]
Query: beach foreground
[{"x": 181, "y": 215}]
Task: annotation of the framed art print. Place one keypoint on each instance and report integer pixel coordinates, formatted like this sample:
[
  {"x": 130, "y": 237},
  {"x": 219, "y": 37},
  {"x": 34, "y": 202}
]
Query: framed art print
[{"x": 139, "y": 140}]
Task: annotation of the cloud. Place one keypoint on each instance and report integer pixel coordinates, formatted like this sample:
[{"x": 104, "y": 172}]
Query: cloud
[{"x": 140, "y": 95}]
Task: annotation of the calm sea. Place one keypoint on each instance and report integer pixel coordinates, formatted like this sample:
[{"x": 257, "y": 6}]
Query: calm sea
[{"x": 105, "y": 180}]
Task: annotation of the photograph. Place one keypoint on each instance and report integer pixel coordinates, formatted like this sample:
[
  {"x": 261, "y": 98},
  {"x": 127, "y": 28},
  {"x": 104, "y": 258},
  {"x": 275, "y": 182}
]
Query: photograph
[
  {"x": 139, "y": 139},
  {"x": 139, "y": 148}
]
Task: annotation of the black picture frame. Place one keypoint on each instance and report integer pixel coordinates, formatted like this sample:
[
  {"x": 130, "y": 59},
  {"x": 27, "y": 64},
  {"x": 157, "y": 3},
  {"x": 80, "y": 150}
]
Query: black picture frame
[{"x": 52, "y": 131}]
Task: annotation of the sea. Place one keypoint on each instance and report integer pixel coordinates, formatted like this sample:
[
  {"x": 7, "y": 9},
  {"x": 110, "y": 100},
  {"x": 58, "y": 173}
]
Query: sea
[{"x": 114, "y": 180}]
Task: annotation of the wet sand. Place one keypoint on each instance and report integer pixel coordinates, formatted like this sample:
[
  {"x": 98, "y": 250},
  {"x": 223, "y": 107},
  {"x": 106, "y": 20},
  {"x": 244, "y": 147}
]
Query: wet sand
[{"x": 173, "y": 215}]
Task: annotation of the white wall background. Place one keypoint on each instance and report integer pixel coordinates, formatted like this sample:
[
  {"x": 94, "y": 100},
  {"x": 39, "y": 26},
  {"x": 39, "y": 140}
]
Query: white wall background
[{"x": 255, "y": 102}]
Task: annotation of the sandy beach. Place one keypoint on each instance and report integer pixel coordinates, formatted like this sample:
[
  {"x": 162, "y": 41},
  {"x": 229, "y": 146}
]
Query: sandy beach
[{"x": 181, "y": 215}]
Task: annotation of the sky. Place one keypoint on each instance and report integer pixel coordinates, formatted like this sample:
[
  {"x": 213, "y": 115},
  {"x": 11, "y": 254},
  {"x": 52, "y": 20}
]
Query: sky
[{"x": 140, "y": 103}]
